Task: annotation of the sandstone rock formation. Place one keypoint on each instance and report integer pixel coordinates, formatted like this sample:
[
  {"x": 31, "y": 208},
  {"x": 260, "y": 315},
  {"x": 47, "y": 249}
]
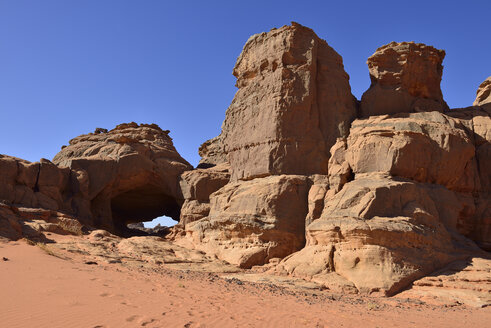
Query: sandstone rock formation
[
  {"x": 293, "y": 101},
  {"x": 196, "y": 187},
  {"x": 425, "y": 147},
  {"x": 212, "y": 153},
  {"x": 295, "y": 182},
  {"x": 251, "y": 222},
  {"x": 405, "y": 78},
  {"x": 373, "y": 233},
  {"x": 24, "y": 222},
  {"x": 416, "y": 177},
  {"x": 105, "y": 179},
  {"x": 483, "y": 95},
  {"x": 42, "y": 185},
  {"x": 133, "y": 173},
  {"x": 461, "y": 282},
  {"x": 397, "y": 186},
  {"x": 475, "y": 221}
]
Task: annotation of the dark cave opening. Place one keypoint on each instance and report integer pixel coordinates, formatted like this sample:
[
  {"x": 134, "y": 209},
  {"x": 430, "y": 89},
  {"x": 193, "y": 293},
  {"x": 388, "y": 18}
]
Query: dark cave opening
[{"x": 142, "y": 204}]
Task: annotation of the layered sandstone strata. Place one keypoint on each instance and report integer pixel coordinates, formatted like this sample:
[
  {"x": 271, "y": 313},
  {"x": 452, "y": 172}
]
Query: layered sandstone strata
[
  {"x": 106, "y": 179},
  {"x": 397, "y": 186},
  {"x": 374, "y": 232}
]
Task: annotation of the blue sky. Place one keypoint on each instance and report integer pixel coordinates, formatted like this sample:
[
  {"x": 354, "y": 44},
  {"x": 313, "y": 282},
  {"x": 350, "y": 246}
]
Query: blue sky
[{"x": 69, "y": 66}]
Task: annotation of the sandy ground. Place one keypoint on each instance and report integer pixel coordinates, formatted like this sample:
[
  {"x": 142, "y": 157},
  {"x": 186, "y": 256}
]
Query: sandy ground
[{"x": 41, "y": 290}]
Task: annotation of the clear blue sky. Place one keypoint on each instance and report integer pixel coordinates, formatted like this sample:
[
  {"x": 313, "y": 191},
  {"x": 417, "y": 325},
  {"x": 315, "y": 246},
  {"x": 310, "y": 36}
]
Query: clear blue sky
[{"x": 69, "y": 66}]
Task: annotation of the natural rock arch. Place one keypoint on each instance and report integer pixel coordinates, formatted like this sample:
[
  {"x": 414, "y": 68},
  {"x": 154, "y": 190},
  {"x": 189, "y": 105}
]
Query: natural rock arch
[
  {"x": 143, "y": 204},
  {"x": 131, "y": 174}
]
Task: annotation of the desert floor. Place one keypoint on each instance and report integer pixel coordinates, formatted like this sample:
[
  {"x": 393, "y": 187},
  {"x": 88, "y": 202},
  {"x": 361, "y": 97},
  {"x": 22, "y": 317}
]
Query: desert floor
[{"x": 40, "y": 288}]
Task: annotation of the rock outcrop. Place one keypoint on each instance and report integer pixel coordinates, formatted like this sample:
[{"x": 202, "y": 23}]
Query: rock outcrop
[
  {"x": 461, "y": 282},
  {"x": 475, "y": 220},
  {"x": 372, "y": 234},
  {"x": 133, "y": 174},
  {"x": 405, "y": 78},
  {"x": 483, "y": 95},
  {"x": 407, "y": 179},
  {"x": 106, "y": 179},
  {"x": 402, "y": 186},
  {"x": 295, "y": 182},
  {"x": 251, "y": 222},
  {"x": 424, "y": 147},
  {"x": 43, "y": 185},
  {"x": 32, "y": 223},
  {"x": 196, "y": 187},
  {"x": 212, "y": 153},
  {"x": 293, "y": 101}
]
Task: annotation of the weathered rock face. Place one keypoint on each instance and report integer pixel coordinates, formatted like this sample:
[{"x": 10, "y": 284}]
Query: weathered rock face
[
  {"x": 212, "y": 153},
  {"x": 398, "y": 185},
  {"x": 466, "y": 282},
  {"x": 293, "y": 101},
  {"x": 42, "y": 185},
  {"x": 483, "y": 95},
  {"x": 405, "y": 78},
  {"x": 253, "y": 221},
  {"x": 475, "y": 221},
  {"x": 372, "y": 235},
  {"x": 425, "y": 147},
  {"x": 133, "y": 173},
  {"x": 448, "y": 150},
  {"x": 317, "y": 194},
  {"x": 196, "y": 187},
  {"x": 105, "y": 179}
]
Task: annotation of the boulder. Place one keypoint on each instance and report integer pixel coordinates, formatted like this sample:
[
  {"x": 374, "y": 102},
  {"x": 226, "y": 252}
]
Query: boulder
[
  {"x": 133, "y": 174},
  {"x": 293, "y": 102},
  {"x": 251, "y": 222},
  {"x": 405, "y": 77}
]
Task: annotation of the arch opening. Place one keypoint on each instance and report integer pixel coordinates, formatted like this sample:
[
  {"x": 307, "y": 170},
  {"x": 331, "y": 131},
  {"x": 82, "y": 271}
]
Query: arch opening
[
  {"x": 142, "y": 204},
  {"x": 163, "y": 221}
]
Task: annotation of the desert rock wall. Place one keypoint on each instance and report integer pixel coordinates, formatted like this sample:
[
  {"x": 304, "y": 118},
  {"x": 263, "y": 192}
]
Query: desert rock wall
[
  {"x": 403, "y": 191},
  {"x": 303, "y": 180}
]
